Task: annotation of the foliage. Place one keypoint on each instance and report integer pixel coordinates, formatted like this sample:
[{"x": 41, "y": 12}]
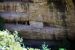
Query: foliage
[
  {"x": 45, "y": 47},
  {"x": 10, "y": 41},
  {"x": 62, "y": 49}
]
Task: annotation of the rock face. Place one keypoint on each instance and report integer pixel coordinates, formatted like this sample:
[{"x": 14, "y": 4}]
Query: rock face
[
  {"x": 36, "y": 24},
  {"x": 71, "y": 18},
  {"x": 34, "y": 11},
  {"x": 53, "y": 13},
  {"x": 31, "y": 32}
]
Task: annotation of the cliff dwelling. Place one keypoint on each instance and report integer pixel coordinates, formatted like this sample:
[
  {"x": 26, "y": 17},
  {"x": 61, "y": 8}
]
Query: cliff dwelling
[{"x": 39, "y": 19}]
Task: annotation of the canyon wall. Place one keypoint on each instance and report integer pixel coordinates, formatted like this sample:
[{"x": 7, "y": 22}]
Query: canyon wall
[{"x": 52, "y": 12}]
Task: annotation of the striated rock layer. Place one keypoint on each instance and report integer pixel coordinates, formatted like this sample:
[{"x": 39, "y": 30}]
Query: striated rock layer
[{"x": 50, "y": 13}]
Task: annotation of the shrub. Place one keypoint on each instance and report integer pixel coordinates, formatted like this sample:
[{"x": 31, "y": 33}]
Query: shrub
[
  {"x": 10, "y": 41},
  {"x": 45, "y": 47}
]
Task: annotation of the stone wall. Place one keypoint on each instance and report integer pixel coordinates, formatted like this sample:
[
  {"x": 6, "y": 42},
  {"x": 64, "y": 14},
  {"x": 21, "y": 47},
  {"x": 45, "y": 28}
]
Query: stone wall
[{"x": 36, "y": 10}]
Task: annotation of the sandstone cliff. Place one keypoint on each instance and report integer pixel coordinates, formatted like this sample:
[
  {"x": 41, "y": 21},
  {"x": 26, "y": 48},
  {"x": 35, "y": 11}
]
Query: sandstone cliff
[{"x": 53, "y": 12}]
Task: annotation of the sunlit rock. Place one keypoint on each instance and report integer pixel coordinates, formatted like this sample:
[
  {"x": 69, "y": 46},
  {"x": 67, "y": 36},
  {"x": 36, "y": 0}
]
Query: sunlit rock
[{"x": 36, "y": 24}]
